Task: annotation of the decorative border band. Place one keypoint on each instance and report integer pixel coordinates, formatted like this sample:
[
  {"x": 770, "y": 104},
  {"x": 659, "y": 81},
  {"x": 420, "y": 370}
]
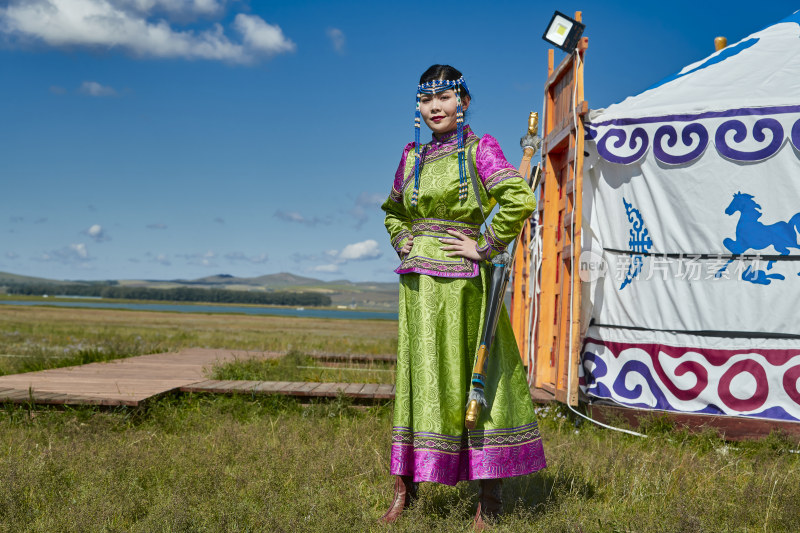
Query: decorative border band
[
  {"x": 750, "y": 381},
  {"x": 446, "y": 459},
  {"x": 748, "y": 135}
]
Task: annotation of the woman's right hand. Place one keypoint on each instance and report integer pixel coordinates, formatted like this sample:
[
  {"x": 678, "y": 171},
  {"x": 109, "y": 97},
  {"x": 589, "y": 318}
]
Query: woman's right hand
[{"x": 406, "y": 249}]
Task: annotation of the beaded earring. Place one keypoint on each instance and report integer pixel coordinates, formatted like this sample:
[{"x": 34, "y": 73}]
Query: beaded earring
[
  {"x": 415, "y": 193},
  {"x": 462, "y": 175},
  {"x": 433, "y": 87}
]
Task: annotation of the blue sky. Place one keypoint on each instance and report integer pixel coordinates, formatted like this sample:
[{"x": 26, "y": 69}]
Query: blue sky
[{"x": 165, "y": 139}]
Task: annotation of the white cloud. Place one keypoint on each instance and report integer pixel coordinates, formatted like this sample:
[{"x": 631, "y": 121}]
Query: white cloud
[
  {"x": 57, "y": 89},
  {"x": 161, "y": 259},
  {"x": 290, "y": 216},
  {"x": 337, "y": 39},
  {"x": 92, "y": 88},
  {"x": 174, "y": 7},
  {"x": 299, "y": 258},
  {"x": 328, "y": 269},
  {"x": 69, "y": 255},
  {"x": 370, "y": 199},
  {"x": 97, "y": 233},
  {"x": 360, "y": 251},
  {"x": 201, "y": 259},
  {"x": 294, "y": 216},
  {"x": 262, "y": 37},
  {"x": 366, "y": 203},
  {"x": 132, "y": 26},
  {"x": 80, "y": 250},
  {"x": 12, "y": 255},
  {"x": 254, "y": 259}
]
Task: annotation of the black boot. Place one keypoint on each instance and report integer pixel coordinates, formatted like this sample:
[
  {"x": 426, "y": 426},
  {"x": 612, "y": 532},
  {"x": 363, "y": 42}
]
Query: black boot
[
  {"x": 490, "y": 503},
  {"x": 405, "y": 492}
]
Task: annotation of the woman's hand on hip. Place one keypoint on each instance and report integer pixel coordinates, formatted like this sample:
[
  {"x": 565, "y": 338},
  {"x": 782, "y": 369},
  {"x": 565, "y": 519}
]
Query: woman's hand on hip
[
  {"x": 406, "y": 249},
  {"x": 462, "y": 246}
]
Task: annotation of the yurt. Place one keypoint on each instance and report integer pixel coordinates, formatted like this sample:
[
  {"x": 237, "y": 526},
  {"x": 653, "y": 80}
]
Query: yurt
[{"x": 690, "y": 238}]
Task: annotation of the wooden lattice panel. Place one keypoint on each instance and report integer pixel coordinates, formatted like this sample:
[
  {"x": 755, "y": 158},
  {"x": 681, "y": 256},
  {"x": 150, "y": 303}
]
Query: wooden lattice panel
[{"x": 558, "y": 324}]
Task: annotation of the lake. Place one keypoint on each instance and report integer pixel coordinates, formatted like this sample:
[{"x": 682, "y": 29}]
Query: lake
[{"x": 210, "y": 308}]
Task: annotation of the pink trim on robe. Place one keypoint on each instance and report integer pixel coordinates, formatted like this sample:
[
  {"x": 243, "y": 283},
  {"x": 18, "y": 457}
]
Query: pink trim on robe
[
  {"x": 470, "y": 463},
  {"x": 490, "y": 160},
  {"x": 399, "y": 175}
]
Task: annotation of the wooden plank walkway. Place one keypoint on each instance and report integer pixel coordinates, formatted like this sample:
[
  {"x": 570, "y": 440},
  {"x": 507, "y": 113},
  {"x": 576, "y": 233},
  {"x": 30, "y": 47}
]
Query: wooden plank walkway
[
  {"x": 120, "y": 382},
  {"x": 133, "y": 380},
  {"x": 303, "y": 389}
]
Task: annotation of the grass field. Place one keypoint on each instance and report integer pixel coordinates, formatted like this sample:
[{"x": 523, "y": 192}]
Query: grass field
[
  {"x": 297, "y": 366},
  {"x": 218, "y": 463},
  {"x": 35, "y": 338}
]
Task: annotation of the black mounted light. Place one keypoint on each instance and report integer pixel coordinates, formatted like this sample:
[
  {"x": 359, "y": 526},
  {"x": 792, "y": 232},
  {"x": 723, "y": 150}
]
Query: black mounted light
[{"x": 563, "y": 32}]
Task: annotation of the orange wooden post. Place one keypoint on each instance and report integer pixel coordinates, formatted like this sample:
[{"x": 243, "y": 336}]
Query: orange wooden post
[
  {"x": 580, "y": 108},
  {"x": 545, "y": 360},
  {"x": 557, "y": 331},
  {"x": 520, "y": 300},
  {"x": 520, "y": 269}
]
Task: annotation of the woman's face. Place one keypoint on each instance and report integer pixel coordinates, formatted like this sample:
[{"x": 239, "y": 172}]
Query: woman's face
[{"x": 439, "y": 110}]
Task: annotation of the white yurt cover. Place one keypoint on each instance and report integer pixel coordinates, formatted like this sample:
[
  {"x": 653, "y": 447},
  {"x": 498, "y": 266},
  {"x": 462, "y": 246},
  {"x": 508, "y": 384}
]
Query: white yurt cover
[{"x": 691, "y": 237}]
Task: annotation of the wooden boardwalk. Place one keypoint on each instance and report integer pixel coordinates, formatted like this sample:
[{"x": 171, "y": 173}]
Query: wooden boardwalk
[
  {"x": 361, "y": 391},
  {"x": 133, "y": 380},
  {"x": 120, "y": 382}
]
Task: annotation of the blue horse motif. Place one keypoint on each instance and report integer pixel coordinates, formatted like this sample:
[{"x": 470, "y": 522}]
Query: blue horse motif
[{"x": 754, "y": 235}]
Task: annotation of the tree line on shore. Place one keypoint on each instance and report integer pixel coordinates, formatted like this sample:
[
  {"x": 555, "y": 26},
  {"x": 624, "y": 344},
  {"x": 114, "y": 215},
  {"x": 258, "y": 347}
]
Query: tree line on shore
[{"x": 174, "y": 294}]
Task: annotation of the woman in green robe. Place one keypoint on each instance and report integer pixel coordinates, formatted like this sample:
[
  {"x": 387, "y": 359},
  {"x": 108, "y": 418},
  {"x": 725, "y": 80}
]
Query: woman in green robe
[{"x": 434, "y": 222}]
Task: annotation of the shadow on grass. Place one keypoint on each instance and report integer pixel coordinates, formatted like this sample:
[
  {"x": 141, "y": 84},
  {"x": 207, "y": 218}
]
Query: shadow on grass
[
  {"x": 441, "y": 501},
  {"x": 532, "y": 494},
  {"x": 525, "y": 498}
]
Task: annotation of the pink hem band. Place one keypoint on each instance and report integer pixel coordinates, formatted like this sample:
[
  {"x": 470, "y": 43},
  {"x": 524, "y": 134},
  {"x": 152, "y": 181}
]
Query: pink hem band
[{"x": 468, "y": 464}]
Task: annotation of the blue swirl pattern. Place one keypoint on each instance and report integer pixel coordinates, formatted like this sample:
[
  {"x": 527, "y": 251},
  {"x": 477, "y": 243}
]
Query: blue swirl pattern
[
  {"x": 682, "y": 139},
  {"x": 621, "y": 135},
  {"x": 740, "y": 135},
  {"x": 795, "y": 135},
  {"x": 637, "y": 391},
  {"x": 671, "y": 135}
]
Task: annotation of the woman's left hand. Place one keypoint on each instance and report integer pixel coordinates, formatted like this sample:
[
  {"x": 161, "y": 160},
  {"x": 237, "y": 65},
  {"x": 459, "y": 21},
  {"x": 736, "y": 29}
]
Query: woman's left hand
[{"x": 462, "y": 246}]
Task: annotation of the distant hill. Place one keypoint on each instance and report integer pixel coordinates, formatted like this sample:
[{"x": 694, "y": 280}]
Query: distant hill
[
  {"x": 284, "y": 279},
  {"x": 362, "y": 294},
  {"x": 7, "y": 277}
]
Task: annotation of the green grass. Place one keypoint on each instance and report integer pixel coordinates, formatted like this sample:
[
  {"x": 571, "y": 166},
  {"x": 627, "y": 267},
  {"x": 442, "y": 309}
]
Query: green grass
[
  {"x": 217, "y": 463},
  {"x": 297, "y": 366},
  {"x": 38, "y": 338},
  {"x": 267, "y": 463}
]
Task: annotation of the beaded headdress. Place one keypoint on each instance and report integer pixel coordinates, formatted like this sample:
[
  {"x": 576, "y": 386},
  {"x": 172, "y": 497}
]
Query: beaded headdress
[{"x": 433, "y": 87}]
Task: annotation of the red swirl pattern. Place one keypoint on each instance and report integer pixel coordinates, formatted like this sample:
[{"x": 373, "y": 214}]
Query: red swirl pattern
[
  {"x": 762, "y": 386},
  {"x": 718, "y": 372},
  {"x": 790, "y": 383}
]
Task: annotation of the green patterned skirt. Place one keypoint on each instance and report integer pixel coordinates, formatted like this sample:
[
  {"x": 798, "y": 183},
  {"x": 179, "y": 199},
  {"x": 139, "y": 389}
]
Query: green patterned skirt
[{"x": 440, "y": 321}]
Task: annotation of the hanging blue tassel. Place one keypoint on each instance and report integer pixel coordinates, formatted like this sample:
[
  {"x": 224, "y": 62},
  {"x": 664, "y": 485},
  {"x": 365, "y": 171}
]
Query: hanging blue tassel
[
  {"x": 417, "y": 118},
  {"x": 462, "y": 177}
]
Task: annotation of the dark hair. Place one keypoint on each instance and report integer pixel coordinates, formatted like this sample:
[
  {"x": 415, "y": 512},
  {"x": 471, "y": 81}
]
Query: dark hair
[{"x": 441, "y": 72}]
